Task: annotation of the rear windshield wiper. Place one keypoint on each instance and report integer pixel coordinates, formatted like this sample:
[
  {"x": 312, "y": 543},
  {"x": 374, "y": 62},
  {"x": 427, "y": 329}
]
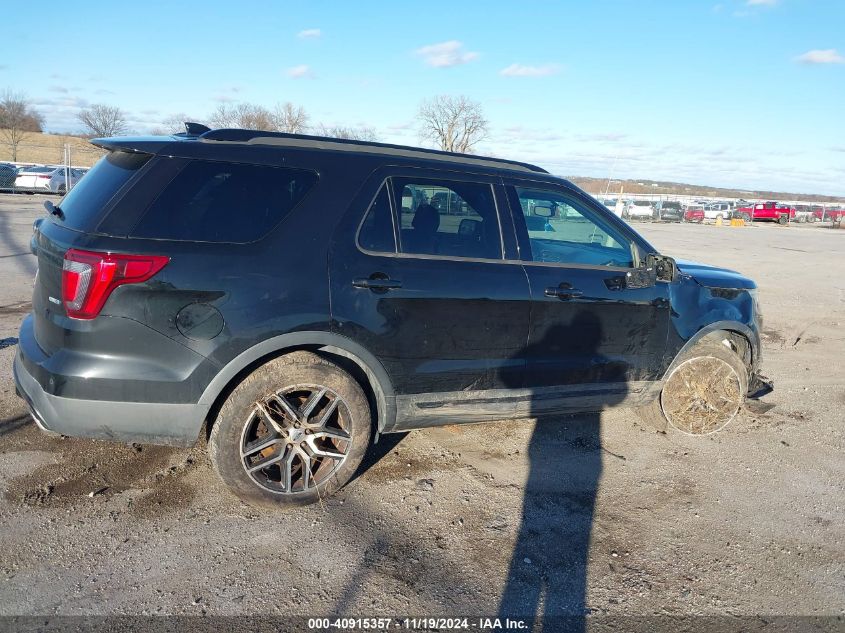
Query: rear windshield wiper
[{"x": 52, "y": 209}]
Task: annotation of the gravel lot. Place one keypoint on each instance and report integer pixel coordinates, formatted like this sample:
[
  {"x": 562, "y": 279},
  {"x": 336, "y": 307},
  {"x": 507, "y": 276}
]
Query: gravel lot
[{"x": 593, "y": 514}]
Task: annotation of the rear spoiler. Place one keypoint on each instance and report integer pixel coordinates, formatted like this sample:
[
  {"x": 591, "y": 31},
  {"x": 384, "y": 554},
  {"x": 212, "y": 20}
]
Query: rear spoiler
[{"x": 140, "y": 144}]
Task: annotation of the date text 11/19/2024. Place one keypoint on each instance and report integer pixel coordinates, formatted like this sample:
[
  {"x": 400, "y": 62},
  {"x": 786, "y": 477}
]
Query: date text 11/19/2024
[{"x": 415, "y": 624}]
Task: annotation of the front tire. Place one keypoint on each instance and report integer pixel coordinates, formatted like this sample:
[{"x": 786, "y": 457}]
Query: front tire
[
  {"x": 703, "y": 392},
  {"x": 292, "y": 433}
]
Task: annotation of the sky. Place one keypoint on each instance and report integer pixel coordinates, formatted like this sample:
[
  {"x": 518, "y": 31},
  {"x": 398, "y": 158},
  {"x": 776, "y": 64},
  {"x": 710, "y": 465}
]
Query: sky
[{"x": 734, "y": 93}]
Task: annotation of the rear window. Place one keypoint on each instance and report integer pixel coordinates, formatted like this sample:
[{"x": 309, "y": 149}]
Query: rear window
[
  {"x": 223, "y": 202},
  {"x": 83, "y": 205}
]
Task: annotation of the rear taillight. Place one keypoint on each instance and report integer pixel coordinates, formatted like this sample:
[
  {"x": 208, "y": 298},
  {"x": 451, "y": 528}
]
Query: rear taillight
[
  {"x": 88, "y": 278},
  {"x": 44, "y": 177}
]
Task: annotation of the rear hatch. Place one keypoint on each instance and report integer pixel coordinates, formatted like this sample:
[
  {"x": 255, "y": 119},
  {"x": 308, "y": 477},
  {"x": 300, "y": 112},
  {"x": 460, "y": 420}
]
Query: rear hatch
[{"x": 73, "y": 225}]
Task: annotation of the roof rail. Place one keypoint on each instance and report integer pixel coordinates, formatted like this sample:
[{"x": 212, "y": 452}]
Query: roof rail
[{"x": 257, "y": 137}]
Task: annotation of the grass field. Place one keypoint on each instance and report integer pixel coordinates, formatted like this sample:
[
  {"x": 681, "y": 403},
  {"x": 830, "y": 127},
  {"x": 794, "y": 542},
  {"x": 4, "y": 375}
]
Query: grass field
[{"x": 49, "y": 149}]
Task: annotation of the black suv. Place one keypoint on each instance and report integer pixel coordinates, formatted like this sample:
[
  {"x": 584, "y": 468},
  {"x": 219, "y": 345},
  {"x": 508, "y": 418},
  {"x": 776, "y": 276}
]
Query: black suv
[{"x": 298, "y": 296}]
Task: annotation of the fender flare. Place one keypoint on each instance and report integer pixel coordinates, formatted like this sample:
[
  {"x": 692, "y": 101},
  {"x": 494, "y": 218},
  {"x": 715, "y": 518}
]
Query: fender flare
[
  {"x": 731, "y": 326},
  {"x": 323, "y": 341}
]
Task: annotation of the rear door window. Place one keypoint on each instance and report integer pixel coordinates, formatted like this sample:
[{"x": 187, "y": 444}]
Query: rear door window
[
  {"x": 376, "y": 232},
  {"x": 223, "y": 202},
  {"x": 83, "y": 206},
  {"x": 447, "y": 218}
]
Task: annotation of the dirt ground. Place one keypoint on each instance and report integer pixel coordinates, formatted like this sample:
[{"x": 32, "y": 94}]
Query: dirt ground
[{"x": 594, "y": 514}]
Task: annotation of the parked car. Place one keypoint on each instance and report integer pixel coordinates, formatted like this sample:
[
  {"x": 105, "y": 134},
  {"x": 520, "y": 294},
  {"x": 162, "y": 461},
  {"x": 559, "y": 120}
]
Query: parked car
[
  {"x": 804, "y": 213},
  {"x": 8, "y": 173},
  {"x": 718, "y": 211},
  {"x": 694, "y": 213},
  {"x": 34, "y": 179},
  {"x": 291, "y": 304},
  {"x": 640, "y": 210},
  {"x": 614, "y": 205},
  {"x": 63, "y": 176},
  {"x": 766, "y": 211},
  {"x": 670, "y": 211},
  {"x": 827, "y": 215}
]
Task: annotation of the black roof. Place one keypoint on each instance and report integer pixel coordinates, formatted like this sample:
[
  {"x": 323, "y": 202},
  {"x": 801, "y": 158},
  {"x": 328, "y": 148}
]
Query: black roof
[{"x": 203, "y": 134}]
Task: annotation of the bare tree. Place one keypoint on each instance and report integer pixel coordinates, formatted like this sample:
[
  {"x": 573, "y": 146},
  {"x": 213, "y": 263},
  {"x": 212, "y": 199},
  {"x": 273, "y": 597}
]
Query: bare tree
[
  {"x": 17, "y": 118},
  {"x": 243, "y": 115},
  {"x": 361, "y": 133},
  {"x": 103, "y": 120},
  {"x": 454, "y": 123},
  {"x": 290, "y": 118},
  {"x": 173, "y": 124}
]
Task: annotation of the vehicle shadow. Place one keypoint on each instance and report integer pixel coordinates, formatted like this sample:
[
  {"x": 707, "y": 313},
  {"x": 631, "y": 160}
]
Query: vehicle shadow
[
  {"x": 546, "y": 584},
  {"x": 14, "y": 423},
  {"x": 20, "y": 253}
]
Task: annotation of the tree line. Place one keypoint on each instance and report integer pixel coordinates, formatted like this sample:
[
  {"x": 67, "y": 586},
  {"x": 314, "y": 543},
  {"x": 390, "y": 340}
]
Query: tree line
[{"x": 451, "y": 123}]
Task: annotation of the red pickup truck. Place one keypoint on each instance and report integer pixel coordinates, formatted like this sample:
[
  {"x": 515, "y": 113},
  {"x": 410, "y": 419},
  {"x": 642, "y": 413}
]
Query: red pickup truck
[{"x": 766, "y": 211}]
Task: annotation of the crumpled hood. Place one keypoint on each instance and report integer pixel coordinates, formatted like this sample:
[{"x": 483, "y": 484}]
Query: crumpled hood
[{"x": 714, "y": 277}]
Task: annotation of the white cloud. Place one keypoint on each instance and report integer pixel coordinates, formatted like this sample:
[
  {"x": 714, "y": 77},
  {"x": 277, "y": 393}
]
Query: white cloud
[
  {"x": 309, "y": 34},
  {"x": 520, "y": 70},
  {"x": 821, "y": 56},
  {"x": 758, "y": 3},
  {"x": 445, "y": 54},
  {"x": 303, "y": 71},
  {"x": 61, "y": 89}
]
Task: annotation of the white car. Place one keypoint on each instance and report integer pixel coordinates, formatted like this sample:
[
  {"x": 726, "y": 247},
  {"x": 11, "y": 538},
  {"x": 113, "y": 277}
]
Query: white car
[
  {"x": 718, "y": 210},
  {"x": 640, "y": 210},
  {"x": 59, "y": 180},
  {"x": 47, "y": 179},
  {"x": 34, "y": 179}
]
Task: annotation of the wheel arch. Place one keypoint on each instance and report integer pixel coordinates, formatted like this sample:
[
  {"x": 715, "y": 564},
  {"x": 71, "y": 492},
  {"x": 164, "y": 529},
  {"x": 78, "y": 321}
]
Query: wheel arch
[
  {"x": 348, "y": 354},
  {"x": 734, "y": 328}
]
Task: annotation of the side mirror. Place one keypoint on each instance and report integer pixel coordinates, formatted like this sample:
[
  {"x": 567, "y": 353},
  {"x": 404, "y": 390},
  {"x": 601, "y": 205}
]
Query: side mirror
[
  {"x": 543, "y": 212},
  {"x": 664, "y": 267}
]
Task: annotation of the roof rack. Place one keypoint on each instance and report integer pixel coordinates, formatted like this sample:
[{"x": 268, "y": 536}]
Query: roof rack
[{"x": 257, "y": 137}]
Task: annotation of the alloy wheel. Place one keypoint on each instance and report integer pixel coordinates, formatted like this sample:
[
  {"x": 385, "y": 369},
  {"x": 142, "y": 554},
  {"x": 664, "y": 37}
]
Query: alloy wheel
[{"x": 296, "y": 438}]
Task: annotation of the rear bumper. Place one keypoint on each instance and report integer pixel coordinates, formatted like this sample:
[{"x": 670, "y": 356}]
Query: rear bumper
[{"x": 176, "y": 424}]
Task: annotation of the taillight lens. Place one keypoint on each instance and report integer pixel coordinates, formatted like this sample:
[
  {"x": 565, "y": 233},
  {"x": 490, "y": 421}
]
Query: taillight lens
[{"x": 88, "y": 278}]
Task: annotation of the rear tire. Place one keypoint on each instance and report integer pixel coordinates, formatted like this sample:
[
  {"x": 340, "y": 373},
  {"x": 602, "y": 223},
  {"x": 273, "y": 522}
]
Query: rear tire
[
  {"x": 292, "y": 432},
  {"x": 782, "y": 219},
  {"x": 704, "y": 390}
]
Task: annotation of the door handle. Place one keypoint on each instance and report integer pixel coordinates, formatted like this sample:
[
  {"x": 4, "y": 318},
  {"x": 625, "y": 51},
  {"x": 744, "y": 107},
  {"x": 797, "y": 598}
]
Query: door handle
[
  {"x": 377, "y": 283},
  {"x": 564, "y": 291}
]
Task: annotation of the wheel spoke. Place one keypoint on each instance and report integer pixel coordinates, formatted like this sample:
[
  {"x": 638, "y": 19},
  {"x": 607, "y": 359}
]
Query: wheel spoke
[
  {"x": 309, "y": 406},
  {"x": 324, "y": 417},
  {"x": 288, "y": 410},
  {"x": 305, "y": 460},
  {"x": 333, "y": 434},
  {"x": 266, "y": 462},
  {"x": 323, "y": 452},
  {"x": 287, "y": 471},
  {"x": 267, "y": 416},
  {"x": 259, "y": 445}
]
